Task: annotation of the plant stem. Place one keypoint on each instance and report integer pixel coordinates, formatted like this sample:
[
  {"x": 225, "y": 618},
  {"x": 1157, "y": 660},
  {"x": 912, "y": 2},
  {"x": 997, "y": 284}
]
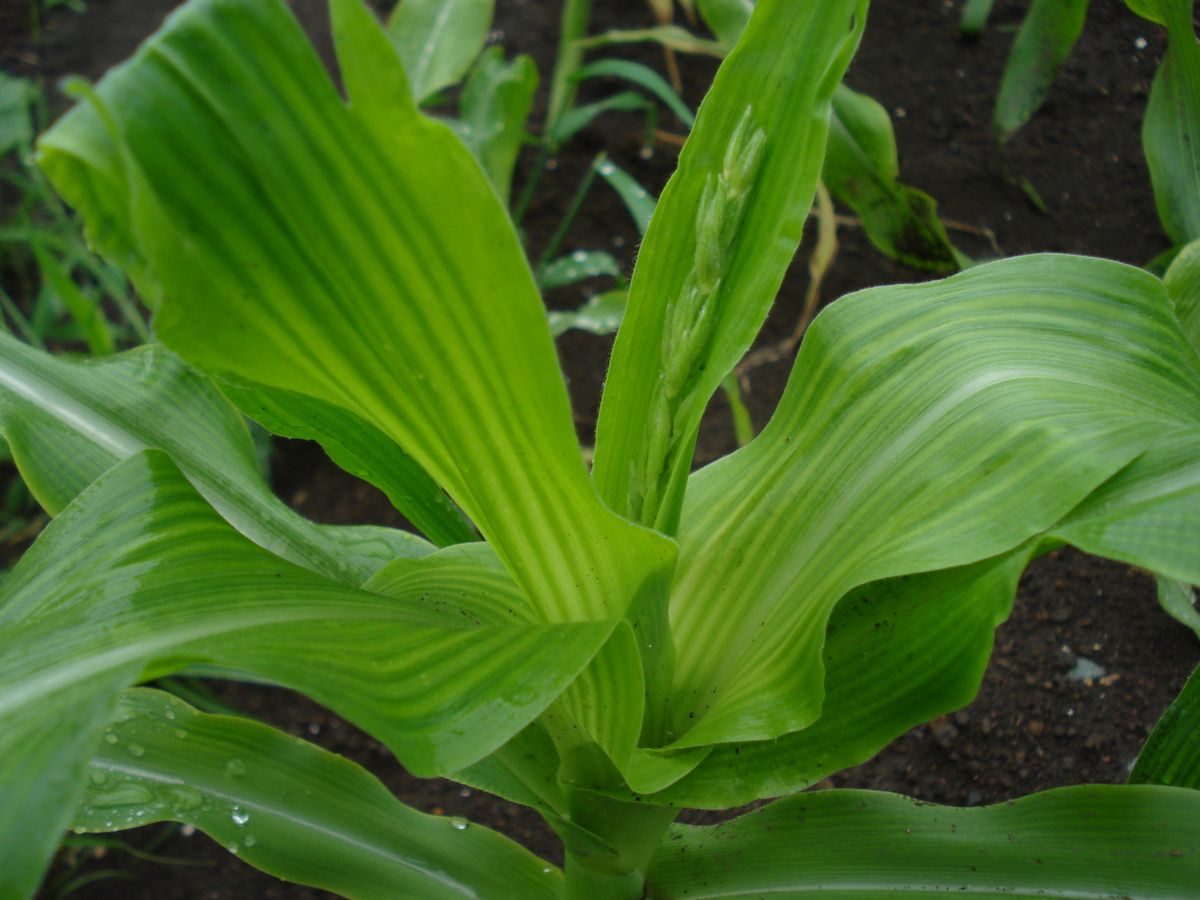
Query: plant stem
[{"x": 632, "y": 830}]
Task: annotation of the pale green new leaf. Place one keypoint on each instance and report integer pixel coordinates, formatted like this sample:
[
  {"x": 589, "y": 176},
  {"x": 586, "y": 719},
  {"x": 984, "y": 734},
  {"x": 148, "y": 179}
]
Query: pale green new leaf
[
  {"x": 1048, "y": 33},
  {"x": 724, "y": 232},
  {"x": 863, "y": 171},
  {"x": 1171, "y": 128},
  {"x": 1081, "y": 842},
  {"x": 1171, "y": 755},
  {"x": 138, "y": 578},
  {"x": 291, "y": 809},
  {"x": 493, "y": 109},
  {"x": 925, "y": 427},
  {"x": 357, "y": 254},
  {"x": 69, "y": 422},
  {"x": 438, "y": 40}
]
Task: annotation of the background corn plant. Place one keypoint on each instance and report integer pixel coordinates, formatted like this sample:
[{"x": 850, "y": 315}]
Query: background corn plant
[{"x": 619, "y": 645}]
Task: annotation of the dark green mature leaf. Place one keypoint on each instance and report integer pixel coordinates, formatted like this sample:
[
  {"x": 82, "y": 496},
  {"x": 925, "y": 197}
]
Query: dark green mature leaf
[
  {"x": 493, "y": 109},
  {"x": 290, "y": 808},
  {"x": 724, "y": 232},
  {"x": 397, "y": 287},
  {"x": 1171, "y": 128},
  {"x": 862, "y": 170},
  {"x": 926, "y": 427},
  {"x": 1171, "y": 755},
  {"x": 1080, "y": 842},
  {"x": 643, "y": 77},
  {"x": 138, "y": 578},
  {"x": 438, "y": 40},
  {"x": 360, "y": 449},
  {"x": 69, "y": 422},
  {"x": 581, "y": 116},
  {"x": 1047, "y": 35}
]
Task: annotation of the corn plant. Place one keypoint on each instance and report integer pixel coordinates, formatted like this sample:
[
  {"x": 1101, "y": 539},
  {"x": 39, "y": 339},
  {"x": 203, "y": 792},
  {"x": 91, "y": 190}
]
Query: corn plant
[{"x": 618, "y": 645}]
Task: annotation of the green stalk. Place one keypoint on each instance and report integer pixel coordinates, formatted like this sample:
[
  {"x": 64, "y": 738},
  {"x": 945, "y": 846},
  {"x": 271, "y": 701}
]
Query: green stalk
[
  {"x": 575, "y": 17},
  {"x": 632, "y": 830}
]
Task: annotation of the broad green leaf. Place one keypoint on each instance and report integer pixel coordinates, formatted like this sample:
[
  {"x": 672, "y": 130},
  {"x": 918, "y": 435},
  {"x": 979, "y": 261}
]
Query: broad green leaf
[
  {"x": 138, "y": 578},
  {"x": 438, "y": 40},
  {"x": 862, "y": 170},
  {"x": 1149, "y": 513},
  {"x": 1183, "y": 286},
  {"x": 724, "y": 232},
  {"x": 360, "y": 449},
  {"x": 897, "y": 653},
  {"x": 643, "y": 77},
  {"x": 493, "y": 109},
  {"x": 290, "y": 808},
  {"x": 924, "y": 427},
  {"x": 16, "y": 124},
  {"x": 601, "y": 314},
  {"x": 354, "y": 253},
  {"x": 69, "y": 422},
  {"x": 1178, "y": 600},
  {"x": 1082, "y": 842},
  {"x": 637, "y": 199},
  {"x": 1171, "y": 128},
  {"x": 1048, "y": 33},
  {"x": 576, "y": 267},
  {"x": 1171, "y": 755},
  {"x": 726, "y": 18}
]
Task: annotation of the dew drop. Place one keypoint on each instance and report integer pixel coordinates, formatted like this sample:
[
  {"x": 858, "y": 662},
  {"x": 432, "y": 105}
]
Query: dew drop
[
  {"x": 124, "y": 795},
  {"x": 579, "y": 256},
  {"x": 547, "y": 870},
  {"x": 251, "y": 840},
  {"x": 180, "y": 733},
  {"x": 239, "y": 816},
  {"x": 170, "y": 714},
  {"x": 183, "y": 798},
  {"x": 110, "y": 738},
  {"x": 458, "y": 823},
  {"x": 98, "y": 777},
  {"x": 233, "y": 848},
  {"x": 607, "y": 168},
  {"x": 235, "y": 768},
  {"x": 136, "y": 750}
]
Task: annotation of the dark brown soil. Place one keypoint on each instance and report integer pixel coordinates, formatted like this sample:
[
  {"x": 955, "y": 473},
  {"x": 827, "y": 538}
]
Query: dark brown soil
[{"x": 1032, "y": 726}]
